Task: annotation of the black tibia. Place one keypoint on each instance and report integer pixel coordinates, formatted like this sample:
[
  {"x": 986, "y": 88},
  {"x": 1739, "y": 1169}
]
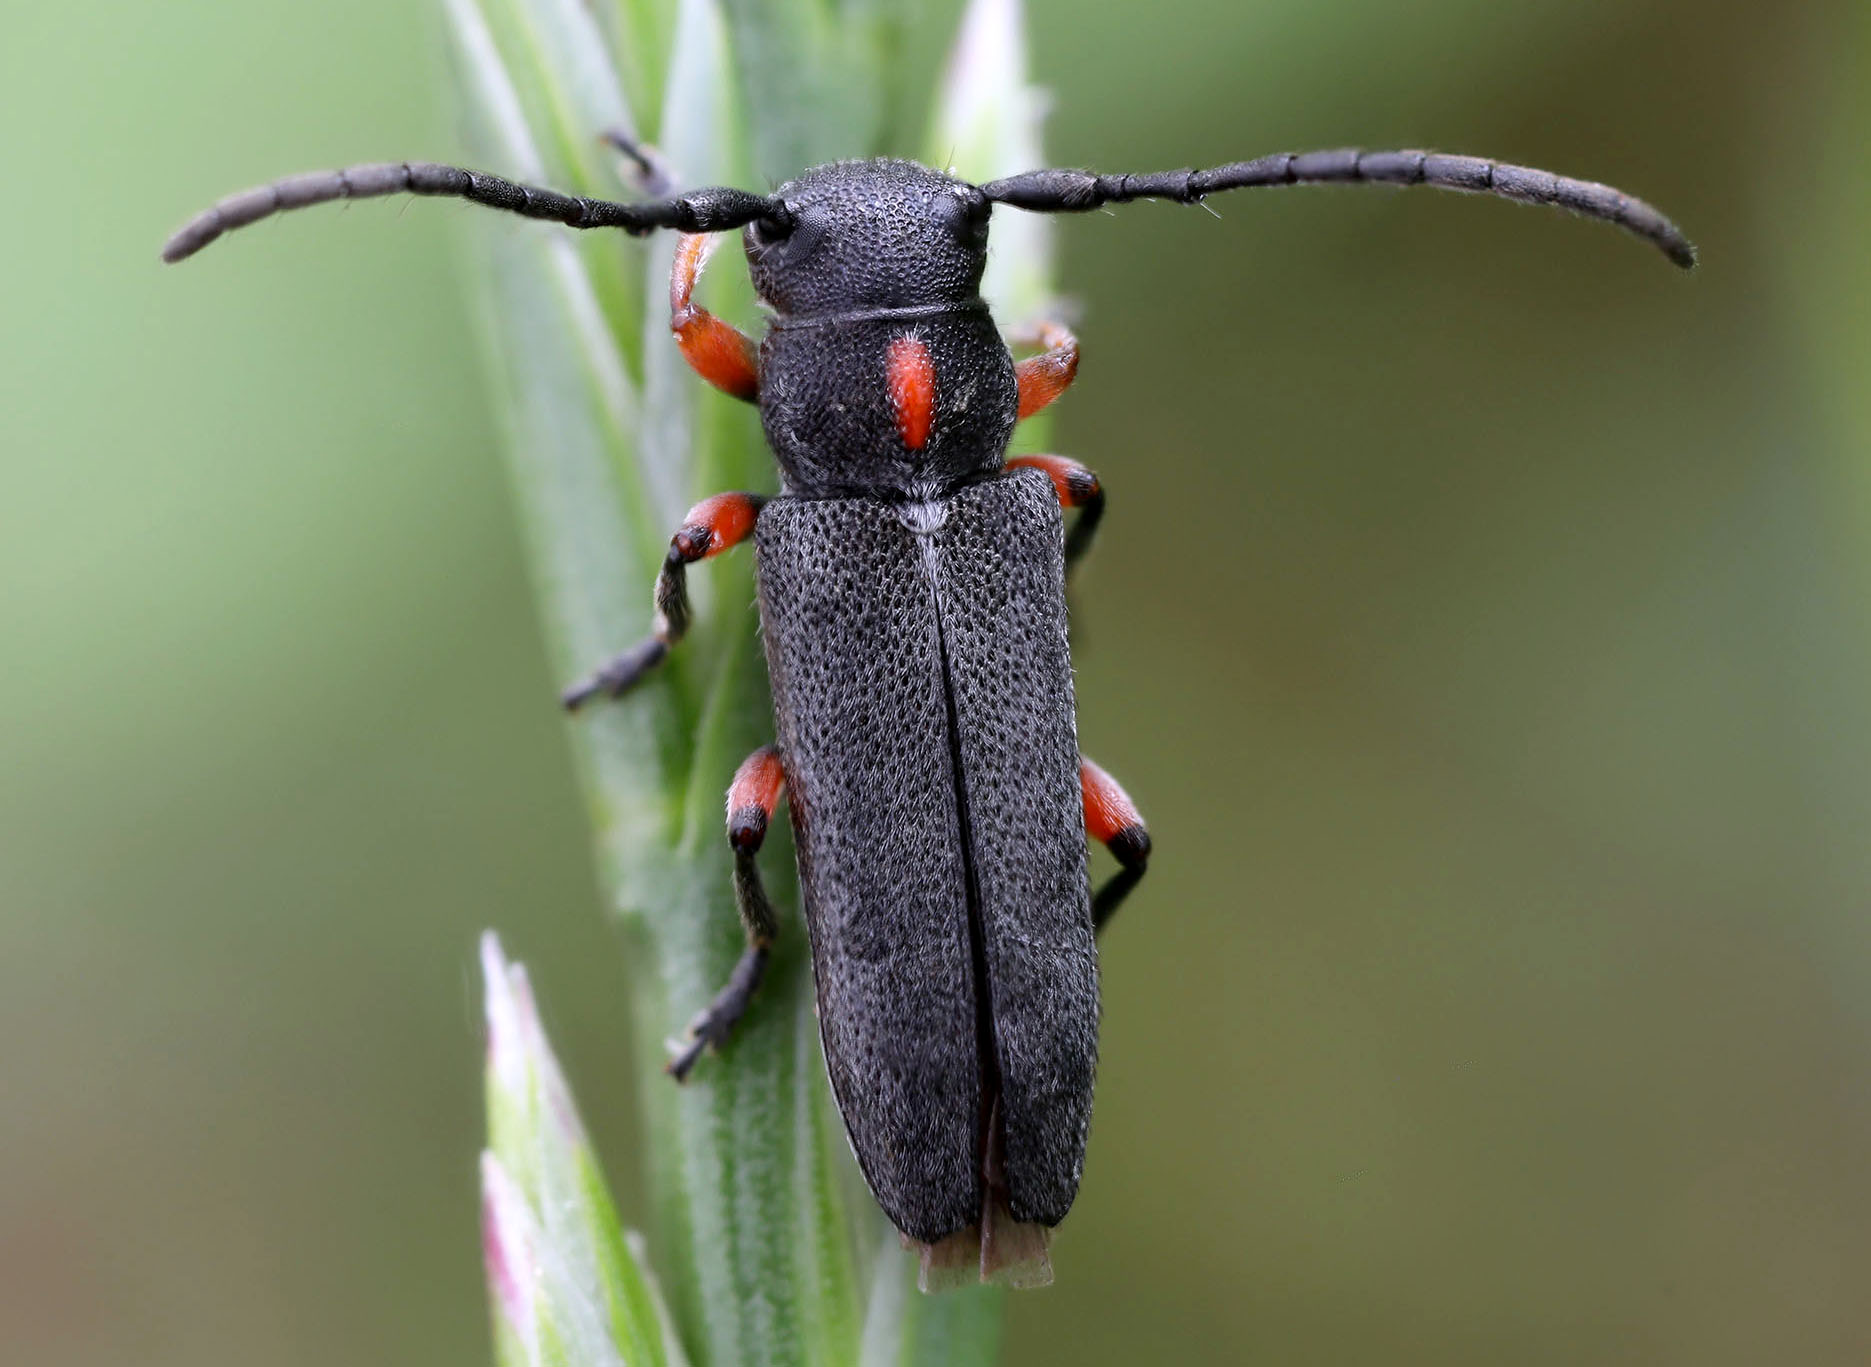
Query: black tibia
[
  {"x": 1090, "y": 512},
  {"x": 625, "y": 670},
  {"x": 1058, "y": 191},
  {"x": 752, "y": 798},
  {"x": 1110, "y": 897},
  {"x": 699, "y": 211},
  {"x": 713, "y": 525}
]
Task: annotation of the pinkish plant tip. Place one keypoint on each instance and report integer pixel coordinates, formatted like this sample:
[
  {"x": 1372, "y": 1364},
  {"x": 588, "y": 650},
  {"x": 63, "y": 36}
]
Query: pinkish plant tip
[
  {"x": 506, "y": 1034},
  {"x": 506, "y": 1247},
  {"x": 537, "y": 1050}
]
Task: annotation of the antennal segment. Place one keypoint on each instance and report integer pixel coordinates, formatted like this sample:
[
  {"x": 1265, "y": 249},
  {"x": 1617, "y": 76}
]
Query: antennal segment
[
  {"x": 699, "y": 211},
  {"x": 1055, "y": 191}
]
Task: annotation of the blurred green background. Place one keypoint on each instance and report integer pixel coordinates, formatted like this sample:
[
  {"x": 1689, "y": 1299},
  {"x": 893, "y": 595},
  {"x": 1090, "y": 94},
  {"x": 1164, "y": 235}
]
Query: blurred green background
[{"x": 1481, "y": 623}]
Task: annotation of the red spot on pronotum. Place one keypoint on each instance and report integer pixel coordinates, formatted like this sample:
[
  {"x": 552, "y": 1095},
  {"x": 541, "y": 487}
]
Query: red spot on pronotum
[
  {"x": 912, "y": 390},
  {"x": 720, "y": 353}
]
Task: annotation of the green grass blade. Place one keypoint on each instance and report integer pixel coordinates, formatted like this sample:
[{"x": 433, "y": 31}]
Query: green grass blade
[
  {"x": 987, "y": 125},
  {"x": 565, "y": 1282},
  {"x": 611, "y": 439},
  {"x": 817, "y": 76},
  {"x": 607, "y": 453}
]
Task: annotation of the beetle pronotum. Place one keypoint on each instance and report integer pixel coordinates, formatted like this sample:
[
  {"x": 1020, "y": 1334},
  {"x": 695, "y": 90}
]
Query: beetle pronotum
[{"x": 912, "y": 594}]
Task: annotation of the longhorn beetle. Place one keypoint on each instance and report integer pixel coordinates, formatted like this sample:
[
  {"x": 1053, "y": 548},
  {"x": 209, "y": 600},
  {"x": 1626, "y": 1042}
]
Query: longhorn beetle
[{"x": 912, "y": 595}]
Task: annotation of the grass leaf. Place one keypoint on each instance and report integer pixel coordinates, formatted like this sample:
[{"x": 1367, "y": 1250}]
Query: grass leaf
[
  {"x": 611, "y": 439},
  {"x": 565, "y": 1282}
]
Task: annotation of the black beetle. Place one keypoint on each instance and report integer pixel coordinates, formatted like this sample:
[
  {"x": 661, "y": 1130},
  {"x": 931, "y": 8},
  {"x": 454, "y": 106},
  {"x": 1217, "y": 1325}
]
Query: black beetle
[{"x": 912, "y": 594}]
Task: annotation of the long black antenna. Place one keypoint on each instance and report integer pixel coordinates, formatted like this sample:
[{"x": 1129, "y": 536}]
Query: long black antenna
[
  {"x": 1077, "y": 191},
  {"x": 699, "y": 211}
]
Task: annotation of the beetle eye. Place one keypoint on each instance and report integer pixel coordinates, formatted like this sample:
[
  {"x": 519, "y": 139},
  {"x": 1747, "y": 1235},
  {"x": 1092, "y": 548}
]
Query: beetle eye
[
  {"x": 772, "y": 227},
  {"x": 972, "y": 223}
]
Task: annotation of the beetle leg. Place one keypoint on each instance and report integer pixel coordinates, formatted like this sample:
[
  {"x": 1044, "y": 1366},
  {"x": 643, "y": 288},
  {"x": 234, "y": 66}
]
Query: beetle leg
[
  {"x": 1111, "y": 817},
  {"x": 719, "y": 352},
  {"x": 1077, "y": 487},
  {"x": 1044, "y": 377},
  {"x": 650, "y": 174},
  {"x": 712, "y": 526},
  {"x": 752, "y": 797}
]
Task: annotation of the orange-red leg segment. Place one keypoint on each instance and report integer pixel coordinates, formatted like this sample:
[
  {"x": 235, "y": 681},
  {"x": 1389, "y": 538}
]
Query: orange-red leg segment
[
  {"x": 719, "y": 352},
  {"x": 717, "y": 523},
  {"x": 711, "y": 527},
  {"x": 1044, "y": 377},
  {"x": 1112, "y": 819},
  {"x": 753, "y": 796}
]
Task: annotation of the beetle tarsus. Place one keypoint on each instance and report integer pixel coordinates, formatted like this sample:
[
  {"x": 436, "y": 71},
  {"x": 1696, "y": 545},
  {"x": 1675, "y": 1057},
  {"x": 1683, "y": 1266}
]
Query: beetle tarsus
[
  {"x": 618, "y": 676},
  {"x": 710, "y": 1030}
]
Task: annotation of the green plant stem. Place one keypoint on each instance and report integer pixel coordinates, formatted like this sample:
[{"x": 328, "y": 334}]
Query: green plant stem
[{"x": 762, "y": 1257}]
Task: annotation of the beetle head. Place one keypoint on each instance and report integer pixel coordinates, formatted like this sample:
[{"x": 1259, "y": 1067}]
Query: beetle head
[{"x": 868, "y": 235}]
